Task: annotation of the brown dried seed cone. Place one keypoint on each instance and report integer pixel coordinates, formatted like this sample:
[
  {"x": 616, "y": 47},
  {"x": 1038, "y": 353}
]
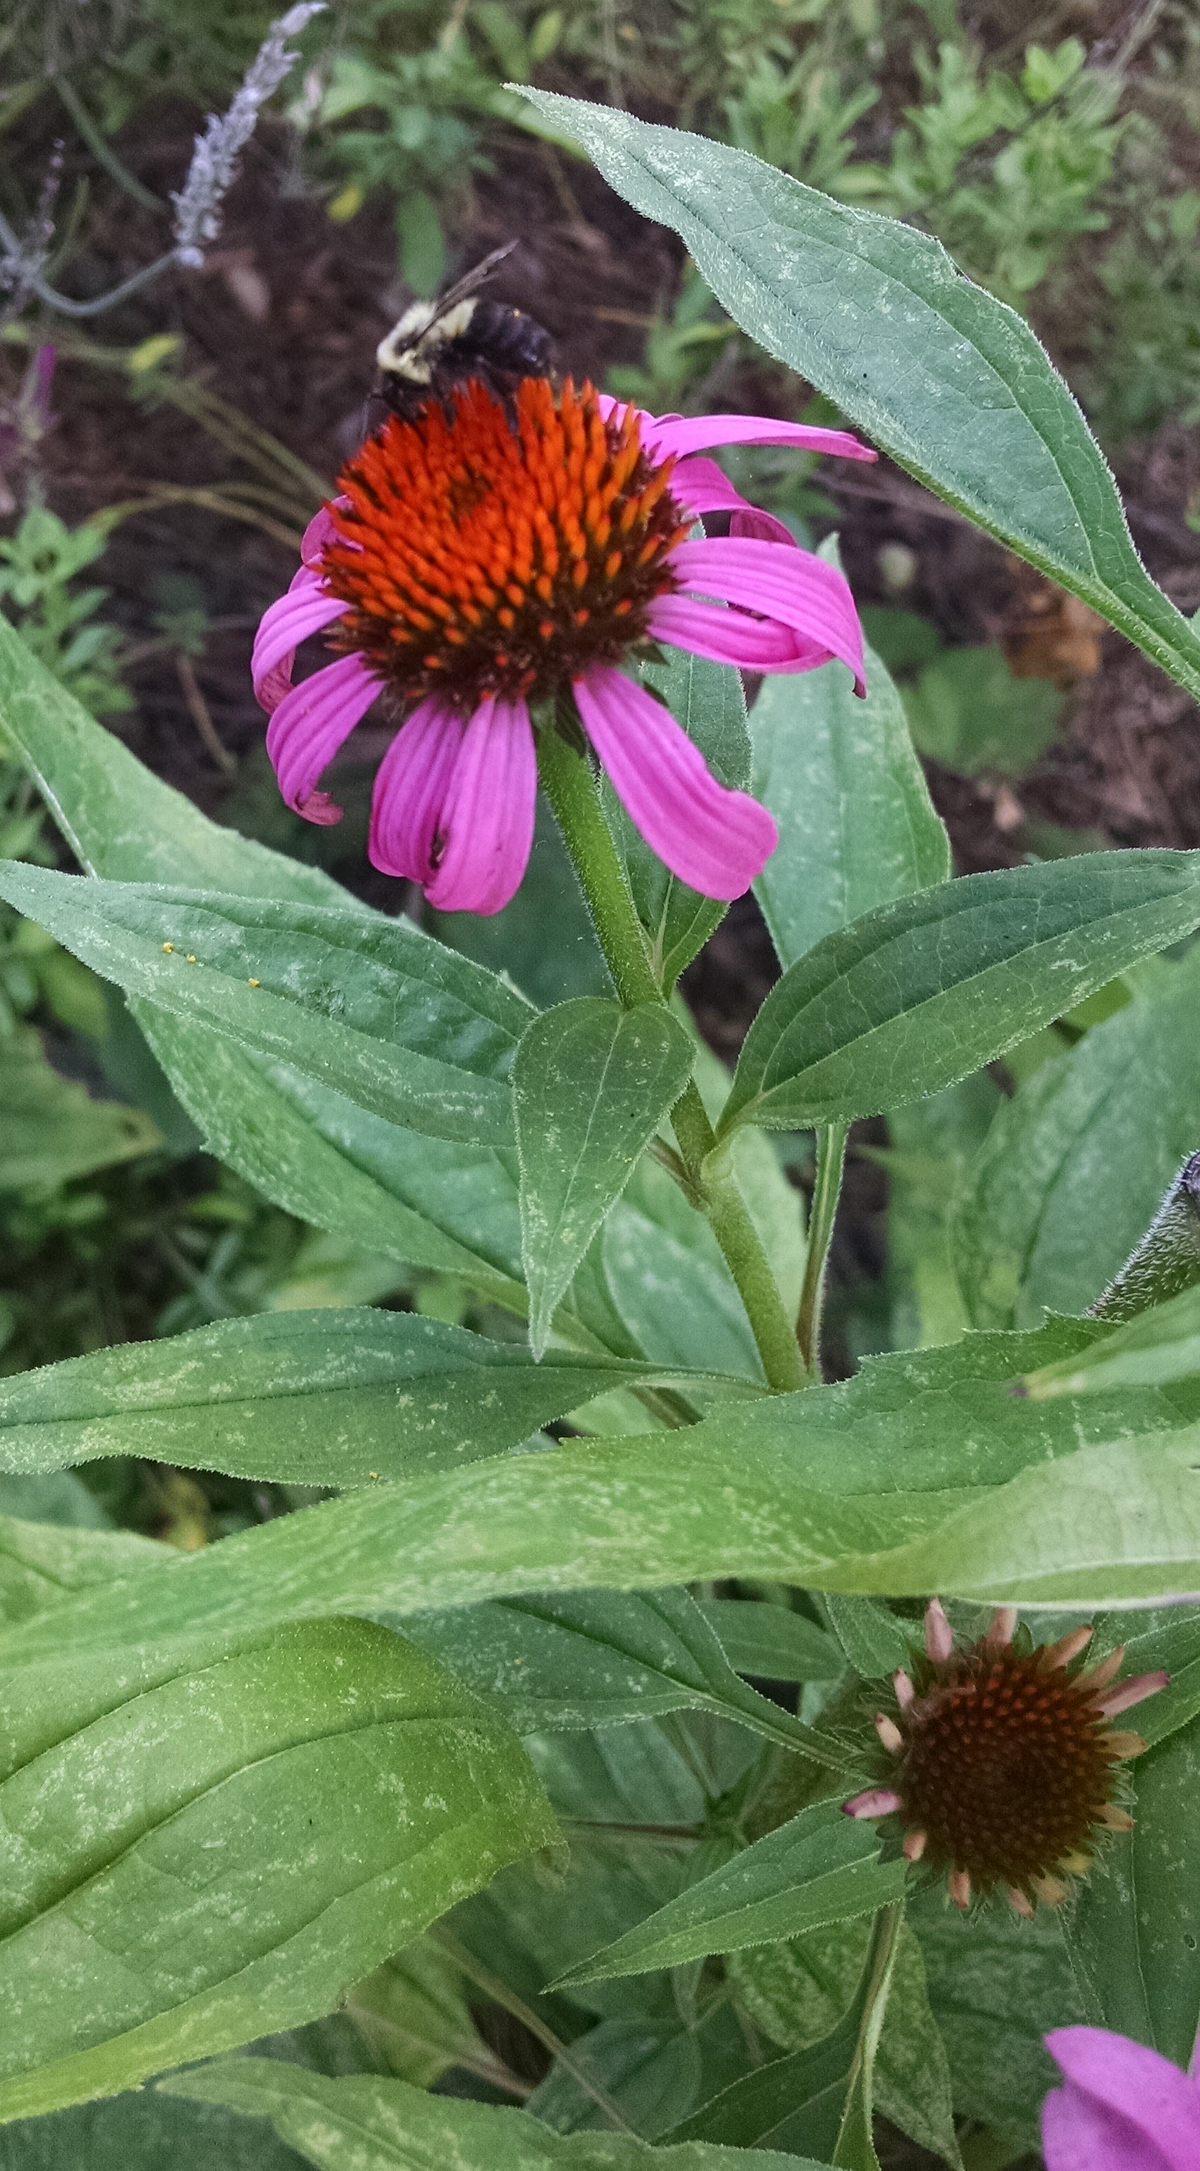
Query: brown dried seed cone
[
  {"x": 1004, "y": 1761},
  {"x": 1007, "y": 1767}
]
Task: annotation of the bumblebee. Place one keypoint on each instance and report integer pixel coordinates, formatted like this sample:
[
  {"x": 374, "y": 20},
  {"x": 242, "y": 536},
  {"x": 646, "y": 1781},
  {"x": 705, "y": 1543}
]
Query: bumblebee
[{"x": 438, "y": 345}]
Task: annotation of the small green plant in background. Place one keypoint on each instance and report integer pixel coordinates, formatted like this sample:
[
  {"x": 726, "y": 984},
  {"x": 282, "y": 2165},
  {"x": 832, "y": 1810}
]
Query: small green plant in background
[
  {"x": 1005, "y": 170},
  {"x": 966, "y": 708},
  {"x": 685, "y": 351},
  {"x": 39, "y": 565},
  {"x": 421, "y": 149},
  {"x": 34, "y": 969}
]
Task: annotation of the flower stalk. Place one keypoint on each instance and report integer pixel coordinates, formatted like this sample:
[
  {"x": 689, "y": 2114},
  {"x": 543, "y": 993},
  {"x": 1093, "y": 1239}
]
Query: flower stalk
[
  {"x": 568, "y": 784},
  {"x": 831, "y": 1163},
  {"x": 855, "y": 2144},
  {"x": 708, "y": 1178}
]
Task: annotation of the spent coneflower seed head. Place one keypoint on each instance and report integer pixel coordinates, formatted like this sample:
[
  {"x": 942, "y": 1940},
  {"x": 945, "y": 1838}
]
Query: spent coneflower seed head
[{"x": 1003, "y": 1762}]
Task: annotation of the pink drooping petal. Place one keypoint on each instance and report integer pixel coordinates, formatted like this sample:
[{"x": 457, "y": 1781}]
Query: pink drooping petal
[
  {"x": 487, "y": 813},
  {"x": 665, "y": 434},
  {"x": 270, "y": 686},
  {"x": 752, "y": 644},
  {"x": 714, "y": 839},
  {"x": 321, "y": 529},
  {"x": 700, "y": 486},
  {"x": 1133, "y": 2108},
  {"x": 1078, "y": 2136},
  {"x": 939, "y": 1636},
  {"x": 1128, "y": 1693},
  {"x": 410, "y": 791},
  {"x": 681, "y": 434},
  {"x": 308, "y": 727},
  {"x": 306, "y": 607},
  {"x": 873, "y": 1802},
  {"x": 791, "y": 586}
]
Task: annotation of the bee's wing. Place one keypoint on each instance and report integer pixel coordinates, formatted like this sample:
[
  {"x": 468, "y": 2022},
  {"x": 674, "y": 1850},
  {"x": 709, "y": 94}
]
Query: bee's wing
[{"x": 470, "y": 280}]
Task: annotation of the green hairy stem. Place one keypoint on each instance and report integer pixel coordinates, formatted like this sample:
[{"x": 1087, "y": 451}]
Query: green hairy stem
[
  {"x": 1166, "y": 1260},
  {"x": 831, "y": 1162},
  {"x": 710, "y": 1182}
]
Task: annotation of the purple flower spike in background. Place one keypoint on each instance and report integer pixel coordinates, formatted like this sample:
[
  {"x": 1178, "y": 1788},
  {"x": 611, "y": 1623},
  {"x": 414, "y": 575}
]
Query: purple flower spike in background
[
  {"x": 483, "y": 556},
  {"x": 1122, "y": 2107}
]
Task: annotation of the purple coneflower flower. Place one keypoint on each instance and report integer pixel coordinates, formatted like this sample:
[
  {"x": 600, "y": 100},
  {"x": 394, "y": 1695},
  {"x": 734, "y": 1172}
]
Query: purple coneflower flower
[
  {"x": 1122, "y": 2107},
  {"x": 482, "y": 557}
]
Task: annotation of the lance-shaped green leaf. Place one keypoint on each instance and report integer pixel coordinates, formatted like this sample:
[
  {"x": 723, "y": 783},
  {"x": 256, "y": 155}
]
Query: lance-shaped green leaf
[
  {"x": 1113, "y": 1523},
  {"x": 796, "y": 1992},
  {"x": 604, "y": 1657},
  {"x": 331, "y": 1398},
  {"x": 414, "y": 2017},
  {"x": 53, "y": 1130},
  {"x": 41, "y": 1564},
  {"x": 925, "y": 1472},
  {"x": 372, "y": 1007},
  {"x": 649, "y": 2070},
  {"x": 792, "y": 2103},
  {"x": 772, "y": 1642},
  {"x": 244, "y": 1842},
  {"x": 996, "y": 1986},
  {"x": 1134, "y": 1933},
  {"x": 873, "y": 1641},
  {"x": 1074, "y": 1166},
  {"x": 591, "y": 1084},
  {"x": 918, "y": 993},
  {"x": 1153, "y": 1350},
  {"x": 856, "y": 823},
  {"x": 310, "y": 1149},
  {"x": 386, "y": 2125},
  {"x": 144, "y": 2131},
  {"x": 941, "y": 375},
  {"x": 821, "y": 1867},
  {"x": 433, "y": 1202}
]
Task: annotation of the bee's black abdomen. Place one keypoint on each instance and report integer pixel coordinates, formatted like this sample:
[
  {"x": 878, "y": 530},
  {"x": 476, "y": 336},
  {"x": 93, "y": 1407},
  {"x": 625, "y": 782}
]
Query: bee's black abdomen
[{"x": 506, "y": 339}]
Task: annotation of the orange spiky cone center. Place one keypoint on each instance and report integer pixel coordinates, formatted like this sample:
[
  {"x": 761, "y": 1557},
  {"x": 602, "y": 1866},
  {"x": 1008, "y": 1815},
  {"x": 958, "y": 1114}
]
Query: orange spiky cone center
[{"x": 493, "y": 549}]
